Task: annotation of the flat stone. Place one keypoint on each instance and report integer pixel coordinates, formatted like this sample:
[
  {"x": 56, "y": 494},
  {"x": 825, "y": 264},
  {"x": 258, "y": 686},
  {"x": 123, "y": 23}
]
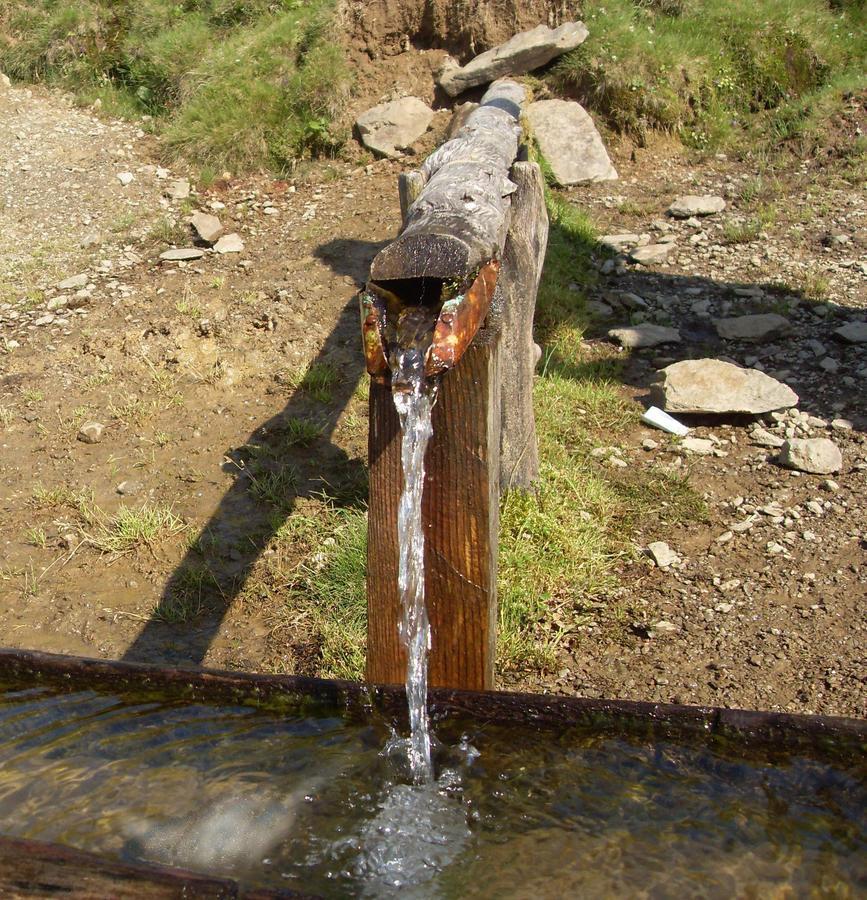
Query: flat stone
[
  {"x": 644, "y": 335},
  {"x": 696, "y": 205},
  {"x": 662, "y": 554},
  {"x": 72, "y": 283},
  {"x": 391, "y": 127},
  {"x": 229, "y": 243},
  {"x": 178, "y": 189},
  {"x": 182, "y": 253},
  {"x": 626, "y": 299},
  {"x": 819, "y": 456},
  {"x": 619, "y": 241},
  {"x": 714, "y": 386},
  {"x": 764, "y": 438},
  {"x": 207, "y": 227},
  {"x": 522, "y": 53},
  {"x": 752, "y": 328},
  {"x": 125, "y": 178},
  {"x": 91, "y": 432},
  {"x": 651, "y": 254},
  {"x": 853, "y": 332},
  {"x": 599, "y": 309},
  {"x": 569, "y": 141},
  {"x": 5, "y": 82},
  {"x": 699, "y": 446}
]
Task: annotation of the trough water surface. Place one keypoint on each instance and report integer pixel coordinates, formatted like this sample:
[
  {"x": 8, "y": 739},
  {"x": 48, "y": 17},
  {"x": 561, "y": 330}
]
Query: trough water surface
[{"x": 312, "y": 802}]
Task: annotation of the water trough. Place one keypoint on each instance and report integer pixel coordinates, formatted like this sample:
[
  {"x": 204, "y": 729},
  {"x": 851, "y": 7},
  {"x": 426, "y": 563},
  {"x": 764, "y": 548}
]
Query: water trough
[{"x": 773, "y": 762}]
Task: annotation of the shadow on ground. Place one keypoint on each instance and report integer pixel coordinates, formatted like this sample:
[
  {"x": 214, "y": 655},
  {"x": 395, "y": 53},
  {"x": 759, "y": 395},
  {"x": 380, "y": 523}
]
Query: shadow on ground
[
  {"x": 268, "y": 463},
  {"x": 239, "y": 530}
]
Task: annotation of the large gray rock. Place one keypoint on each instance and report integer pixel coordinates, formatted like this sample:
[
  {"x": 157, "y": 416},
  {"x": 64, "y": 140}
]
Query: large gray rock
[
  {"x": 207, "y": 227},
  {"x": 524, "y": 52},
  {"x": 391, "y": 127},
  {"x": 853, "y": 332},
  {"x": 645, "y": 335},
  {"x": 693, "y": 205},
  {"x": 714, "y": 386},
  {"x": 818, "y": 456},
  {"x": 569, "y": 141},
  {"x": 752, "y": 328}
]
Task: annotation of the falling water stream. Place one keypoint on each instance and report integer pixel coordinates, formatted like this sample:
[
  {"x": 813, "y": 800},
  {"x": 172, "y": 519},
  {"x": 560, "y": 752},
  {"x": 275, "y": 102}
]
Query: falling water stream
[{"x": 414, "y": 399}]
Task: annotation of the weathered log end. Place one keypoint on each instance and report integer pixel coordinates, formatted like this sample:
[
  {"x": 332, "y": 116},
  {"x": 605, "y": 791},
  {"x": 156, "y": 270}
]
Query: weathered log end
[{"x": 425, "y": 255}]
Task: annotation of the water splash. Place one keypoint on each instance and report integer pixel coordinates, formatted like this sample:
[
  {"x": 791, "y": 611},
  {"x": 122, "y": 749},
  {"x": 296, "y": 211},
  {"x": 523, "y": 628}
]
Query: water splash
[{"x": 414, "y": 399}]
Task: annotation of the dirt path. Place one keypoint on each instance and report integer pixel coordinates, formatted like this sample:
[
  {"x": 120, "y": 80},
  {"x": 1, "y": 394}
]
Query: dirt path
[
  {"x": 194, "y": 368},
  {"x": 186, "y": 365}
]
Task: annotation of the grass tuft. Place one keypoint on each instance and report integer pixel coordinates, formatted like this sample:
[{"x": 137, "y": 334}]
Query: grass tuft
[
  {"x": 717, "y": 70},
  {"x": 131, "y": 530}
]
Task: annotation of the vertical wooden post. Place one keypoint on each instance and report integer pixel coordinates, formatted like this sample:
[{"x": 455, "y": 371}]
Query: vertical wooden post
[
  {"x": 461, "y": 518},
  {"x": 409, "y": 186},
  {"x": 460, "y": 218},
  {"x": 520, "y": 273}
]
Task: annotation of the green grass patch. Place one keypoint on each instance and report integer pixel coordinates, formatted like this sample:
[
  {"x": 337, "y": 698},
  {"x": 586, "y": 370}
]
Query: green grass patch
[
  {"x": 328, "y": 591},
  {"x": 134, "y": 529},
  {"x": 188, "y": 593},
  {"x": 561, "y": 544},
  {"x": 714, "y": 71},
  {"x": 241, "y": 84}
]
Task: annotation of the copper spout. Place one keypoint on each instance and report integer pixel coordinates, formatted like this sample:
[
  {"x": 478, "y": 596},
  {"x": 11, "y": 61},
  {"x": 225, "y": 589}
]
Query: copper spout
[{"x": 388, "y": 325}]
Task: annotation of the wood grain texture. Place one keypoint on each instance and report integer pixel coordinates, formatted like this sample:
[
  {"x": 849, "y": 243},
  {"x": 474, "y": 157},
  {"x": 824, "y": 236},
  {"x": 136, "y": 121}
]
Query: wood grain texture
[
  {"x": 518, "y": 285},
  {"x": 459, "y": 220},
  {"x": 460, "y": 510}
]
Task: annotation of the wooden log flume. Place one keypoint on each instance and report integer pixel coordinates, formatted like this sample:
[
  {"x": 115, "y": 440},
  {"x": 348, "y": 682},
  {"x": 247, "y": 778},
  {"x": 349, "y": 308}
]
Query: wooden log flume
[{"x": 470, "y": 252}]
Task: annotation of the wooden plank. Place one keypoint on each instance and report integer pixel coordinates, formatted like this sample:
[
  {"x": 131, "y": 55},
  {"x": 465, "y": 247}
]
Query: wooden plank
[
  {"x": 517, "y": 287},
  {"x": 460, "y": 511},
  {"x": 36, "y": 869},
  {"x": 826, "y": 737}
]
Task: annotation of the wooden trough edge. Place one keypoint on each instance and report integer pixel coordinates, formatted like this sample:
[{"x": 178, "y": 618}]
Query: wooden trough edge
[
  {"x": 831, "y": 737},
  {"x": 42, "y": 869}
]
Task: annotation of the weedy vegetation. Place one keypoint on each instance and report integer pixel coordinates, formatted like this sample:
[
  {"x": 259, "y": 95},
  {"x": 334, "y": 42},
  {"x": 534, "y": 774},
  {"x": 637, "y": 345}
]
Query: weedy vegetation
[
  {"x": 241, "y": 84},
  {"x": 718, "y": 72}
]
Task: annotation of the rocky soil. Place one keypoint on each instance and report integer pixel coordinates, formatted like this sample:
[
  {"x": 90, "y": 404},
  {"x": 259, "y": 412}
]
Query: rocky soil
[
  {"x": 763, "y": 605},
  {"x": 186, "y": 364}
]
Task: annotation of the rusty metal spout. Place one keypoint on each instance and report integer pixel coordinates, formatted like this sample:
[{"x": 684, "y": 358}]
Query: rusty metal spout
[{"x": 390, "y": 325}]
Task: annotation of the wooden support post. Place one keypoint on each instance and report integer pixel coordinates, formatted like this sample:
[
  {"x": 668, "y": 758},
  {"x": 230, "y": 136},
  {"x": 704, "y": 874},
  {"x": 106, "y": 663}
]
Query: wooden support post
[
  {"x": 470, "y": 211},
  {"x": 461, "y": 518},
  {"x": 409, "y": 186},
  {"x": 520, "y": 272}
]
